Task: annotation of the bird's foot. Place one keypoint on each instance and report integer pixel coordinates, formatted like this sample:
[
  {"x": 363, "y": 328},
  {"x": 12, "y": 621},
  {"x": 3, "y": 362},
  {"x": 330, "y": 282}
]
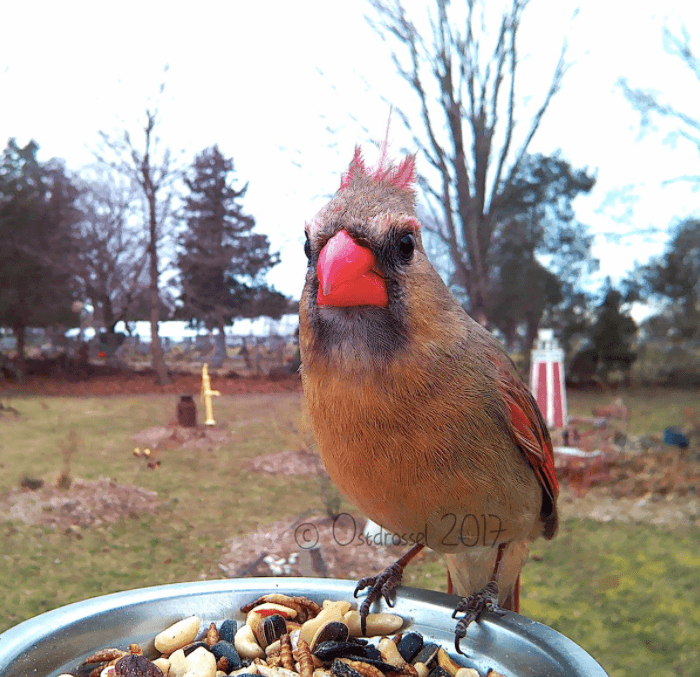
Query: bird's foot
[
  {"x": 473, "y": 607},
  {"x": 382, "y": 585}
]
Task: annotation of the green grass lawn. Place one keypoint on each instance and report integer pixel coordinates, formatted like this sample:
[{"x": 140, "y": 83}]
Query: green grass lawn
[{"x": 628, "y": 594}]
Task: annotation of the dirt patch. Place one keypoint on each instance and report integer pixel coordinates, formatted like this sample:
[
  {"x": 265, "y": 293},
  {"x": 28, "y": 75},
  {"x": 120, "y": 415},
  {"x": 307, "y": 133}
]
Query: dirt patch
[
  {"x": 173, "y": 437},
  {"x": 300, "y": 463},
  {"x": 308, "y": 547},
  {"x": 598, "y": 504},
  {"x": 84, "y": 504}
]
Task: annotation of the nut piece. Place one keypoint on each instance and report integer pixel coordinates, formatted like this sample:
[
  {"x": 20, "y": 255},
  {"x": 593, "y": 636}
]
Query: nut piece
[
  {"x": 273, "y": 650},
  {"x": 304, "y": 607},
  {"x": 179, "y": 634},
  {"x": 246, "y": 644},
  {"x": 201, "y": 663},
  {"x": 468, "y": 672},
  {"x": 332, "y": 611},
  {"x": 163, "y": 664},
  {"x": 446, "y": 663},
  {"x": 178, "y": 663},
  {"x": 377, "y": 624},
  {"x": 250, "y": 670},
  {"x": 267, "y": 671},
  {"x": 268, "y": 609},
  {"x": 422, "y": 669},
  {"x": 390, "y": 654}
]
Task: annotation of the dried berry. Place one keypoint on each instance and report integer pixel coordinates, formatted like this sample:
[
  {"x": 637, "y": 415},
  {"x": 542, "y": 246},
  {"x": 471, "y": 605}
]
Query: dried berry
[{"x": 134, "y": 665}]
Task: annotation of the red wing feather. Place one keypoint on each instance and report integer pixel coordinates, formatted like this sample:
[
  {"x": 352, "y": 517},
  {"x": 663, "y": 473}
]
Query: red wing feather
[
  {"x": 534, "y": 440},
  {"x": 530, "y": 431}
]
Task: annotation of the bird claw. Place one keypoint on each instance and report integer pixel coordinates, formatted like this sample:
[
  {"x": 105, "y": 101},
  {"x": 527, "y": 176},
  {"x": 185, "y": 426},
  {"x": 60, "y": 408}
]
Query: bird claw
[
  {"x": 473, "y": 607},
  {"x": 382, "y": 585}
]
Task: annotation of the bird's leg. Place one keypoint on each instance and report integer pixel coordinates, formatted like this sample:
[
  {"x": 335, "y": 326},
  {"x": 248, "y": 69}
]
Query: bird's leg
[
  {"x": 384, "y": 584},
  {"x": 477, "y": 603}
]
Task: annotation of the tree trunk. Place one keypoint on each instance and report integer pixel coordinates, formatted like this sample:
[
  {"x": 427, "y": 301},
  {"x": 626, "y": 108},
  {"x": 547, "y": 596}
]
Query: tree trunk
[
  {"x": 220, "y": 346},
  {"x": 157, "y": 356},
  {"x": 108, "y": 317}
]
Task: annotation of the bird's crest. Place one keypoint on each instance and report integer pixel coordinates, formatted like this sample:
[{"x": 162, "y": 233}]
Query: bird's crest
[{"x": 402, "y": 176}]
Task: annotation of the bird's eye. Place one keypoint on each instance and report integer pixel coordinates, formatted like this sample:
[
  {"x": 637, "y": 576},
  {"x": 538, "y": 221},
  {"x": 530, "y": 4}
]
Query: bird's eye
[
  {"x": 307, "y": 247},
  {"x": 407, "y": 245}
]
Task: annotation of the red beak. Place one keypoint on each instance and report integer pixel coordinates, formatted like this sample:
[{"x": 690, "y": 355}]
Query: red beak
[{"x": 345, "y": 271}]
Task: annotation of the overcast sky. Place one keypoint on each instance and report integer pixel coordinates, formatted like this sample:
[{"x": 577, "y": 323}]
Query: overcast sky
[{"x": 288, "y": 88}]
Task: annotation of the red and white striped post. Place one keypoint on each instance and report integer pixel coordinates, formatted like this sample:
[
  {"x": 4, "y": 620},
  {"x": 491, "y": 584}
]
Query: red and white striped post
[{"x": 547, "y": 379}]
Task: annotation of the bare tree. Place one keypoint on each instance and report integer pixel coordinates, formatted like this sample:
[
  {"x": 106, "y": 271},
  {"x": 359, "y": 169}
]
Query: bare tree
[
  {"x": 112, "y": 258},
  {"x": 151, "y": 170},
  {"x": 685, "y": 123},
  {"x": 464, "y": 73}
]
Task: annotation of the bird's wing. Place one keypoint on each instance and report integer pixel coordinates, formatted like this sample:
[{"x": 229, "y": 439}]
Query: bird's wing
[{"x": 529, "y": 429}]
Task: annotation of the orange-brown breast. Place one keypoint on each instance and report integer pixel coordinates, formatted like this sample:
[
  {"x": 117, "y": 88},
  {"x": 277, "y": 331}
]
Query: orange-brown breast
[{"x": 421, "y": 446}]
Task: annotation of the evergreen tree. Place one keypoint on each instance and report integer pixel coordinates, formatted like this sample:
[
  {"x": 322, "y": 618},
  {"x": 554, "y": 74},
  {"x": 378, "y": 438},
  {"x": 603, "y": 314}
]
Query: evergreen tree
[
  {"x": 37, "y": 240},
  {"x": 613, "y": 333},
  {"x": 222, "y": 261},
  {"x": 673, "y": 279}
]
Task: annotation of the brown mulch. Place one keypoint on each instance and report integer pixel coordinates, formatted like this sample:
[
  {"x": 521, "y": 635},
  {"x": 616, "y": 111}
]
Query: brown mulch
[
  {"x": 658, "y": 472},
  {"x": 144, "y": 383},
  {"x": 84, "y": 504}
]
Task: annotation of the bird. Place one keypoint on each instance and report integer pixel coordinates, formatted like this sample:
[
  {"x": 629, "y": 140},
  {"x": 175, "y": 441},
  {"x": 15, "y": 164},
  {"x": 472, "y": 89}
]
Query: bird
[{"x": 420, "y": 416}]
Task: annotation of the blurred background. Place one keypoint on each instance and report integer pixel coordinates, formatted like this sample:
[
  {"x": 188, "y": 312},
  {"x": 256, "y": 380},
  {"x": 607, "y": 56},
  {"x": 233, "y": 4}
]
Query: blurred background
[
  {"x": 557, "y": 147},
  {"x": 158, "y": 162}
]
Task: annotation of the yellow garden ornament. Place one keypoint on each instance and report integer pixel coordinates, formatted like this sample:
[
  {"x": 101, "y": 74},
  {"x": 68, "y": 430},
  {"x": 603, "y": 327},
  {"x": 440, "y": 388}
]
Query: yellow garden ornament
[{"x": 207, "y": 394}]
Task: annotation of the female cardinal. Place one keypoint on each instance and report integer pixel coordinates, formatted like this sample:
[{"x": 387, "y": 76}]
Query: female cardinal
[{"x": 419, "y": 414}]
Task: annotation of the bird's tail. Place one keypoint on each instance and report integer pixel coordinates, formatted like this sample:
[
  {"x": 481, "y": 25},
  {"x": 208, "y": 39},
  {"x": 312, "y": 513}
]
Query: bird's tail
[
  {"x": 512, "y": 603},
  {"x": 471, "y": 569}
]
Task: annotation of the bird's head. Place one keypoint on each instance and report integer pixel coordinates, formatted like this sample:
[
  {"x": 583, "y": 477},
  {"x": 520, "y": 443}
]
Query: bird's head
[{"x": 365, "y": 260}]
